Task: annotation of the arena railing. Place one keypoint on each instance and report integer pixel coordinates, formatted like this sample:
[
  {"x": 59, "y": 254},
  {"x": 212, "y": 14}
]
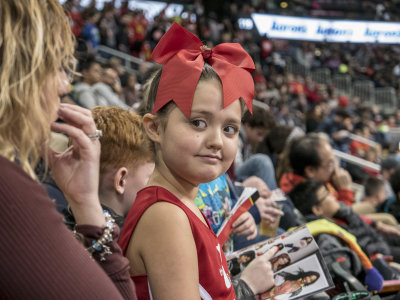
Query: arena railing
[
  {"x": 365, "y": 90},
  {"x": 352, "y": 159},
  {"x": 394, "y": 137},
  {"x": 321, "y": 76},
  {"x": 363, "y": 140},
  {"x": 129, "y": 62},
  {"x": 342, "y": 82},
  {"x": 260, "y": 104},
  {"x": 385, "y": 99},
  {"x": 296, "y": 68}
]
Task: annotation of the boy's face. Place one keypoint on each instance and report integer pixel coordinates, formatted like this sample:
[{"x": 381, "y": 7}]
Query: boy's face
[
  {"x": 137, "y": 179},
  {"x": 255, "y": 135},
  {"x": 328, "y": 205},
  {"x": 381, "y": 195},
  {"x": 93, "y": 74}
]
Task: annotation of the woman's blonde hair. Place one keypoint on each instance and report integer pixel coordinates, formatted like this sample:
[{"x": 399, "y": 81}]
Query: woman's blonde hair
[{"x": 35, "y": 42}]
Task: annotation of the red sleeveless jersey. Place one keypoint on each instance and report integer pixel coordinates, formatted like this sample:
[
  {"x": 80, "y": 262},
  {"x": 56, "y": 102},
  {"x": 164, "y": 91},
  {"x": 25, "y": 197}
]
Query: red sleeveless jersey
[{"x": 214, "y": 280}]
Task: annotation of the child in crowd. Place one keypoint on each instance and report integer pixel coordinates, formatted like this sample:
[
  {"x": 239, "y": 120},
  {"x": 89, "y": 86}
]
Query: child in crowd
[
  {"x": 172, "y": 250},
  {"x": 126, "y": 161},
  {"x": 315, "y": 201},
  {"x": 82, "y": 92}
]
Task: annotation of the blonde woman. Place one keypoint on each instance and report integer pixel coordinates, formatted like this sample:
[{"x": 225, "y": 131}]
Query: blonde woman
[{"x": 39, "y": 257}]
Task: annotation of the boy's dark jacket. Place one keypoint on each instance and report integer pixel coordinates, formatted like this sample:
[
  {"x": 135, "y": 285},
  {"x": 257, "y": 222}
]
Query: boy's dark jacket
[{"x": 367, "y": 237}]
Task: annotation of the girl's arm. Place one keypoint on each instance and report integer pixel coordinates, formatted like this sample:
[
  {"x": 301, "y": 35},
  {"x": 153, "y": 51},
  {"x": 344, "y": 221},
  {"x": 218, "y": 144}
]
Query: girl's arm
[{"x": 163, "y": 247}]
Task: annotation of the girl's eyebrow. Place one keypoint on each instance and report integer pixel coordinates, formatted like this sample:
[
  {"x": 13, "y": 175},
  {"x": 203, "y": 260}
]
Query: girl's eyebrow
[
  {"x": 209, "y": 114},
  {"x": 234, "y": 121},
  {"x": 202, "y": 112}
]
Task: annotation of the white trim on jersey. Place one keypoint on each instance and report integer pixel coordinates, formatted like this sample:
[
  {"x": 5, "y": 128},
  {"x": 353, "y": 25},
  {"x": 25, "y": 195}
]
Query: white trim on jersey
[
  {"x": 204, "y": 294},
  {"x": 150, "y": 294}
]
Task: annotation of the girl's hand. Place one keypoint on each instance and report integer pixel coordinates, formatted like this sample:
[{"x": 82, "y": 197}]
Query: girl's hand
[
  {"x": 76, "y": 170},
  {"x": 258, "y": 274}
]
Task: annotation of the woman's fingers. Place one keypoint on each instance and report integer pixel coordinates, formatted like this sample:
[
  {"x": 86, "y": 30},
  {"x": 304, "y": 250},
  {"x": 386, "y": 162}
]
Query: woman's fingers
[
  {"x": 77, "y": 117},
  {"x": 79, "y": 137}
]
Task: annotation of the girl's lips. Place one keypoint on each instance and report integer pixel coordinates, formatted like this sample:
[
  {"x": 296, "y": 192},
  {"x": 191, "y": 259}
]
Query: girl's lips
[{"x": 210, "y": 158}]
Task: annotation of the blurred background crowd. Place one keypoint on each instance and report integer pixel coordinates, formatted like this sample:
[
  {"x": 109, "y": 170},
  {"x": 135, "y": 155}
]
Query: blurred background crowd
[{"x": 346, "y": 87}]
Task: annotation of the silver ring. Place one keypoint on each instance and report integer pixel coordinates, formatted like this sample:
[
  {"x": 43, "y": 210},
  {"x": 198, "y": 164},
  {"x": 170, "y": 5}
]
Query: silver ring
[{"x": 96, "y": 135}]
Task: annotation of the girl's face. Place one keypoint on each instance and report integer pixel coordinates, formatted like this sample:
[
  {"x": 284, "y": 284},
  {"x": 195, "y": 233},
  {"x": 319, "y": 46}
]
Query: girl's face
[{"x": 201, "y": 148}]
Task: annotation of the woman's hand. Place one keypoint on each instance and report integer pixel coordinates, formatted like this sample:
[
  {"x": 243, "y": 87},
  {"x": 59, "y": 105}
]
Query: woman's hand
[
  {"x": 245, "y": 225},
  {"x": 76, "y": 170},
  {"x": 268, "y": 209}
]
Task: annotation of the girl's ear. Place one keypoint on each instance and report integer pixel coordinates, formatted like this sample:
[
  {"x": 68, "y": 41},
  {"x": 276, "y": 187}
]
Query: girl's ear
[{"x": 152, "y": 126}]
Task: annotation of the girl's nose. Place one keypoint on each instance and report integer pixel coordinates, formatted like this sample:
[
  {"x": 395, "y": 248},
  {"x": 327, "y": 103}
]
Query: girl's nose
[{"x": 214, "y": 138}]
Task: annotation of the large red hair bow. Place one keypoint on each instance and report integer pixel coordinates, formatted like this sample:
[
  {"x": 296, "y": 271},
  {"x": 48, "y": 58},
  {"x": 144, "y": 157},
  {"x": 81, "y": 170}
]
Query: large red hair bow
[{"x": 183, "y": 57}]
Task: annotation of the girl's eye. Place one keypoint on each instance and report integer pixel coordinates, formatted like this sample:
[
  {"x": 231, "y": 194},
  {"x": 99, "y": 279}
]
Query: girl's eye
[
  {"x": 230, "y": 130},
  {"x": 199, "y": 124}
]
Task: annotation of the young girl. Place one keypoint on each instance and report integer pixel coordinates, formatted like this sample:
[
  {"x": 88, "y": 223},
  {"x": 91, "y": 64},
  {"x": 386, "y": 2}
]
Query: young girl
[{"x": 195, "y": 120}]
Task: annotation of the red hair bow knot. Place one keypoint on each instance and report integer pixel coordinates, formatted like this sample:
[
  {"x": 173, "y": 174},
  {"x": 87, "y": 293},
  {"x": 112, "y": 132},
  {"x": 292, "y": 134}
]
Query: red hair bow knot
[{"x": 183, "y": 56}]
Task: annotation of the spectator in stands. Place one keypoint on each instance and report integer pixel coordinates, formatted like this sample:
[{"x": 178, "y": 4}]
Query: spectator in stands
[
  {"x": 116, "y": 64},
  {"x": 126, "y": 161},
  {"x": 312, "y": 156},
  {"x": 374, "y": 191},
  {"x": 374, "y": 197},
  {"x": 131, "y": 89},
  {"x": 338, "y": 128},
  {"x": 358, "y": 148},
  {"x": 90, "y": 32},
  {"x": 257, "y": 169},
  {"x": 276, "y": 140},
  {"x": 82, "y": 92},
  {"x": 254, "y": 129},
  {"x": 394, "y": 206},
  {"x": 313, "y": 117},
  {"x": 40, "y": 258},
  {"x": 388, "y": 167},
  {"x": 108, "y": 91},
  {"x": 108, "y": 26}
]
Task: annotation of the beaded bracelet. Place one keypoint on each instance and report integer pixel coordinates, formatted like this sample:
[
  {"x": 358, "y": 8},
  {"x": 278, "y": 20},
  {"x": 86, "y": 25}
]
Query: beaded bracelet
[{"x": 100, "y": 244}]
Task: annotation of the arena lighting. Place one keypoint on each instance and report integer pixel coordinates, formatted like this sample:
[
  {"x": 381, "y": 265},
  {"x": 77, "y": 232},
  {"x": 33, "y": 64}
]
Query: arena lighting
[
  {"x": 154, "y": 8},
  {"x": 338, "y": 31},
  {"x": 99, "y": 3},
  {"x": 245, "y": 23},
  {"x": 284, "y": 4},
  {"x": 150, "y": 8}
]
